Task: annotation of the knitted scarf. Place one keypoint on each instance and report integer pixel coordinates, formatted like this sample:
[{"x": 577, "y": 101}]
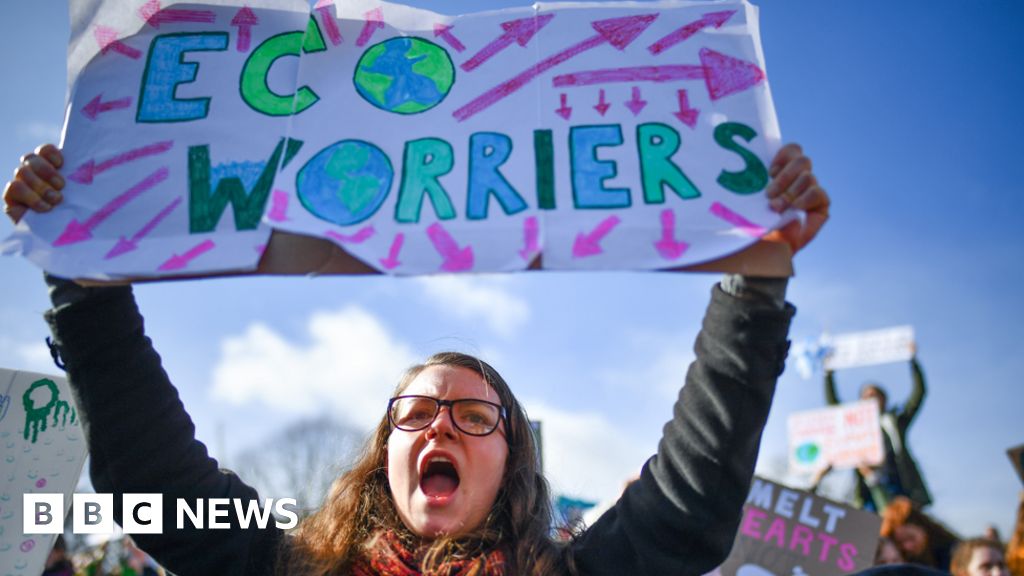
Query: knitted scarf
[{"x": 389, "y": 556}]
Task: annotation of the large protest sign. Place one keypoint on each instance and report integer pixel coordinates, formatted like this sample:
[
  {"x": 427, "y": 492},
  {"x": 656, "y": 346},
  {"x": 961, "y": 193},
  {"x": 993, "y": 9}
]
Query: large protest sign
[
  {"x": 43, "y": 451},
  {"x": 844, "y": 436},
  {"x": 786, "y": 532},
  {"x": 598, "y": 135},
  {"x": 870, "y": 348}
]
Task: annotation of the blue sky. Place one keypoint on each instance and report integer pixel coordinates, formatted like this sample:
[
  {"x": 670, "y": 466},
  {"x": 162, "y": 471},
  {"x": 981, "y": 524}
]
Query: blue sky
[{"x": 910, "y": 112}]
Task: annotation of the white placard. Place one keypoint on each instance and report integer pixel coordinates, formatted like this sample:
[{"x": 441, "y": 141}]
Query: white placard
[
  {"x": 845, "y": 436},
  {"x": 870, "y": 348}
]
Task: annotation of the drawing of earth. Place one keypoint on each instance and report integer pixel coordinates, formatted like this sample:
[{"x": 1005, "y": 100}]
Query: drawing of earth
[
  {"x": 346, "y": 182},
  {"x": 808, "y": 452},
  {"x": 405, "y": 75}
]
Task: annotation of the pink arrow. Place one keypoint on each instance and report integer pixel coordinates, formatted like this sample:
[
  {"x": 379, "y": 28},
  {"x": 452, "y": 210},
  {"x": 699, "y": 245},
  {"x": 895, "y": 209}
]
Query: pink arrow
[
  {"x": 531, "y": 239},
  {"x": 278, "y": 206},
  {"x": 565, "y": 111},
  {"x": 444, "y": 32},
  {"x": 245, "y": 19},
  {"x": 686, "y": 114},
  {"x": 636, "y": 104},
  {"x": 716, "y": 19},
  {"x": 668, "y": 246},
  {"x": 176, "y": 262},
  {"x": 97, "y": 106},
  {"x": 723, "y": 75},
  {"x": 742, "y": 224},
  {"x": 374, "y": 22},
  {"x": 155, "y": 16},
  {"x": 590, "y": 244},
  {"x": 124, "y": 245},
  {"x": 85, "y": 173},
  {"x": 107, "y": 39},
  {"x": 455, "y": 259},
  {"x": 516, "y": 31},
  {"x": 361, "y": 235},
  {"x": 78, "y": 232},
  {"x": 619, "y": 32},
  {"x": 391, "y": 262},
  {"x": 602, "y": 105},
  {"x": 323, "y": 7}
]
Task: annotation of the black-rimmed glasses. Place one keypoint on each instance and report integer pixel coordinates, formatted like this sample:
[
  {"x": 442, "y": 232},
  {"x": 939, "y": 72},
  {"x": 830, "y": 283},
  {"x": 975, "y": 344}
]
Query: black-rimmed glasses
[{"x": 469, "y": 415}]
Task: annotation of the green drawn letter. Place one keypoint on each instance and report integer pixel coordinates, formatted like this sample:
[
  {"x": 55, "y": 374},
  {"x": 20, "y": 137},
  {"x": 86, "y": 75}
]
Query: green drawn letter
[
  {"x": 755, "y": 176},
  {"x": 255, "y": 91},
  {"x": 424, "y": 161},
  {"x": 657, "y": 143},
  {"x": 544, "y": 158}
]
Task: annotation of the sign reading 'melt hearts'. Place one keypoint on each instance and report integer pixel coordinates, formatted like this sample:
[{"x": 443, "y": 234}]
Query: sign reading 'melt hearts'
[{"x": 597, "y": 135}]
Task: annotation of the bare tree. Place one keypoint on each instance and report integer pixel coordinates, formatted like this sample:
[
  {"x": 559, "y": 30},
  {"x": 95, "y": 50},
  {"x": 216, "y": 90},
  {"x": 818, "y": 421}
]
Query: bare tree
[{"x": 301, "y": 461}]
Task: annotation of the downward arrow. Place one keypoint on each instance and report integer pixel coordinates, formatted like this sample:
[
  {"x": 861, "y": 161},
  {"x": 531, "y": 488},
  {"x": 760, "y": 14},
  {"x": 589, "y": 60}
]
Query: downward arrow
[
  {"x": 278, "y": 206},
  {"x": 124, "y": 245},
  {"x": 391, "y": 262},
  {"x": 565, "y": 111},
  {"x": 636, "y": 104},
  {"x": 455, "y": 259},
  {"x": 686, "y": 114},
  {"x": 531, "y": 239},
  {"x": 602, "y": 105},
  {"x": 79, "y": 232},
  {"x": 668, "y": 247},
  {"x": 590, "y": 244},
  {"x": 176, "y": 262}
]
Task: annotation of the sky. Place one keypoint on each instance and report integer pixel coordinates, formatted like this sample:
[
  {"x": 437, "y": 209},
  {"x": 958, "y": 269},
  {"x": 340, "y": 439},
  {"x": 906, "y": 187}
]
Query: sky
[{"x": 910, "y": 112}]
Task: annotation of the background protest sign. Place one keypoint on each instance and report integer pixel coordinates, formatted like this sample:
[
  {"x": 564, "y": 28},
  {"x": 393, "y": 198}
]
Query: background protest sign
[
  {"x": 585, "y": 135},
  {"x": 845, "y": 436},
  {"x": 43, "y": 451},
  {"x": 784, "y": 530},
  {"x": 1017, "y": 459},
  {"x": 870, "y": 348}
]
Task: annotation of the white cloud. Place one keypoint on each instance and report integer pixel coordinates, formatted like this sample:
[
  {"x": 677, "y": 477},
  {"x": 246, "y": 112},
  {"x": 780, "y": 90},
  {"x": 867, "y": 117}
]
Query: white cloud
[
  {"x": 585, "y": 454},
  {"x": 478, "y": 299},
  {"x": 348, "y": 368}
]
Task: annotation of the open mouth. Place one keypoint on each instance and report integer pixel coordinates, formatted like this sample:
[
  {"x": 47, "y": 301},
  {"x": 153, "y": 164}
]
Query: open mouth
[{"x": 440, "y": 479}]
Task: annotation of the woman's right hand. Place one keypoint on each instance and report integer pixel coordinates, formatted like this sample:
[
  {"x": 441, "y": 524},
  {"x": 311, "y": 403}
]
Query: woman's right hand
[{"x": 37, "y": 183}]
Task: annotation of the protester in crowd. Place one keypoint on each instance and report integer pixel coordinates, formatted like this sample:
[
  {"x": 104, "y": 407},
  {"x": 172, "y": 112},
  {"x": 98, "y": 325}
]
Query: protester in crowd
[
  {"x": 449, "y": 482},
  {"x": 920, "y": 538},
  {"x": 898, "y": 474},
  {"x": 979, "y": 557},
  {"x": 888, "y": 553},
  {"x": 57, "y": 562},
  {"x": 1015, "y": 547}
]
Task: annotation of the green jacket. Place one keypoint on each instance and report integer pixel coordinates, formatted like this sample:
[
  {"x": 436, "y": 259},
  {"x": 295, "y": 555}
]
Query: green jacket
[{"x": 895, "y": 424}]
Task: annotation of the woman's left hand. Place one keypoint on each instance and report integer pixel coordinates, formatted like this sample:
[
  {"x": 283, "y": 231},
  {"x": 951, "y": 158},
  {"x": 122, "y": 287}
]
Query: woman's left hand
[{"x": 794, "y": 185}]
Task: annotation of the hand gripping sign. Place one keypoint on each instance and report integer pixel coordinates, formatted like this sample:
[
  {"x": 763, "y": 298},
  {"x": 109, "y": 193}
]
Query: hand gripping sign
[{"x": 598, "y": 135}]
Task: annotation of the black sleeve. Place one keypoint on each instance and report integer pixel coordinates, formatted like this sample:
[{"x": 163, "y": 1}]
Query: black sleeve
[
  {"x": 140, "y": 437},
  {"x": 681, "y": 516}
]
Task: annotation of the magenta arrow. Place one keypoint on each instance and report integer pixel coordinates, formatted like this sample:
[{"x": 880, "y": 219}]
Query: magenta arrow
[
  {"x": 742, "y": 224},
  {"x": 323, "y": 7},
  {"x": 278, "y": 206},
  {"x": 97, "y": 106},
  {"x": 176, "y": 262},
  {"x": 668, "y": 246},
  {"x": 516, "y": 31},
  {"x": 602, "y": 105},
  {"x": 85, "y": 173},
  {"x": 78, "y": 232},
  {"x": 155, "y": 16},
  {"x": 710, "y": 19},
  {"x": 107, "y": 39},
  {"x": 531, "y": 239},
  {"x": 565, "y": 111},
  {"x": 636, "y": 104},
  {"x": 590, "y": 244},
  {"x": 124, "y": 245},
  {"x": 686, "y": 114},
  {"x": 455, "y": 259},
  {"x": 619, "y": 32},
  {"x": 723, "y": 75},
  {"x": 391, "y": 262},
  {"x": 361, "y": 235},
  {"x": 444, "y": 32},
  {"x": 244, "y": 19},
  {"x": 374, "y": 22}
]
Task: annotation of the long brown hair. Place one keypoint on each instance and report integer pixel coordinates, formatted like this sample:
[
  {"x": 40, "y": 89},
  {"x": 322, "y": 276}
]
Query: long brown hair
[{"x": 359, "y": 507}]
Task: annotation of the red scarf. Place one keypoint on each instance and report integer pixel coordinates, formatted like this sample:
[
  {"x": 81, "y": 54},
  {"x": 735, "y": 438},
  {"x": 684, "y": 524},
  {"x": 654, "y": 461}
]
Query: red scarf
[{"x": 388, "y": 556}]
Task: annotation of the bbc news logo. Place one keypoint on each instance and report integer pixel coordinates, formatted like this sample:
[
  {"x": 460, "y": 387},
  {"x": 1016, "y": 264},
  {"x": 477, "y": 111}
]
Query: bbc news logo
[{"x": 143, "y": 513}]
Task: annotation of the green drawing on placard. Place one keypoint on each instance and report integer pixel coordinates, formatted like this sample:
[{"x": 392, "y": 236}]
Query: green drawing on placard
[
  {"x": 657, "y": 143},
  {"x": 35, "y": 417},
  {"x": 425, "y": 161},
  {"x": 544, "y": 159},
  {"x": 253, "y": 84},
  {"x": 755, "y": 176}
]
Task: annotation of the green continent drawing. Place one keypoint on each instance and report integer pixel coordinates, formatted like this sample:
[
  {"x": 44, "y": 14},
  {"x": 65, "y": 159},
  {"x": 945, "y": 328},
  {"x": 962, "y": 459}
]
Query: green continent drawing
[
  {"x": 345, "y": 183},
  {"x": 405, "y": 75}
]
